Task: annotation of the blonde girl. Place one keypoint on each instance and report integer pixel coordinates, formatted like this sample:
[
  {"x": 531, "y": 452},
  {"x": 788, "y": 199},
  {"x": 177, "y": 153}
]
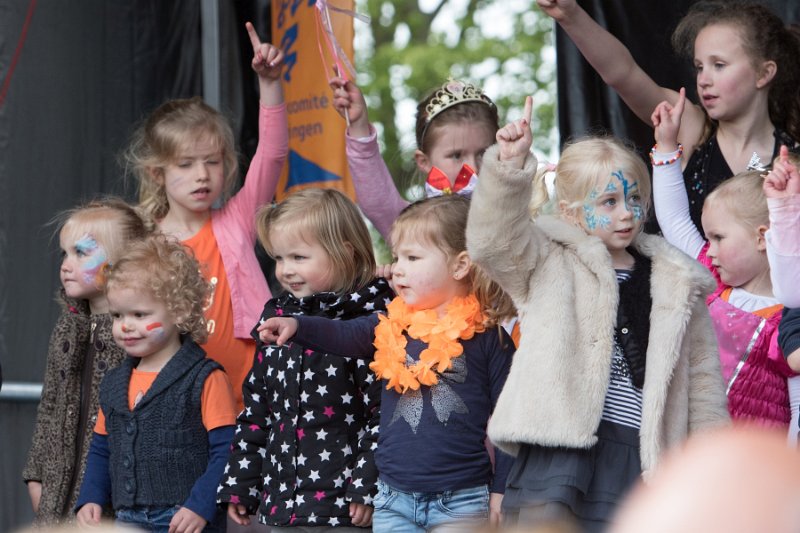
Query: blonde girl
[
  {"x": 186, "y": 163},
  {"x": 303, "y": 452},
  {"x": 81, "y": 351},
  {"x": 743, "y": 308},
  {"x": 443, "y": 362},
  {"x": 455, "y": 125},
  {"x": 745, "y": 59},
  {"x": 617, "y": 362},
  {"x": 166, "y": 415}
]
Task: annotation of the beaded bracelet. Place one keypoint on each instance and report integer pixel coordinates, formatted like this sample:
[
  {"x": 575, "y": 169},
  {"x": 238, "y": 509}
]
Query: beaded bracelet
[{"x": 669, "y": 161}]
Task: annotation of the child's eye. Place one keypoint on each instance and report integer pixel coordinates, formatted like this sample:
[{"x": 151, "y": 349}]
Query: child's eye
[
  {"x": 212, "y": 161},
  {"x": 635, "y": 199},
  {"x": 719, "y": 65},
  {"x": 298, "y": 257},
  {"x": 115, "y": 315},
  {"x": 139, "y": 314},
  {"x": 456, "y": 155},
  {"x": 412, "y": 257},
  {"x": 184, "y": 164},
  {"x": 611, "y": 202}
]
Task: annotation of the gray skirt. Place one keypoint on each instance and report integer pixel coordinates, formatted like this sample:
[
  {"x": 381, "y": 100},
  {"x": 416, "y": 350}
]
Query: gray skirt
[{"x": 587, "y": 482}]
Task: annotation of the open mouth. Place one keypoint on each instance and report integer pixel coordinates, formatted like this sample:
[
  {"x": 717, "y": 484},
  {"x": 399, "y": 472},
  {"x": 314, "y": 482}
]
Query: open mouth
[{"x": 201, "y": 193}]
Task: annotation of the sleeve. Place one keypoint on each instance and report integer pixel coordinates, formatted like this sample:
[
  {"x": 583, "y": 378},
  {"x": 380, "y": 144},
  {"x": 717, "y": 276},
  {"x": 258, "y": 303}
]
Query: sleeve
[
  {"x": 501, "y": 237},
  {"x": 44, "y": 432},
  {"x": 96, "y": 486},
  {"x": 241, "y": 479},
  {"x": 202, "y": 497},
  {"x": 783, "y": 249},
  {"x": 364, "y": 480},
  {"x": 218, "y": 405},
  {"x": 789, "y": 331},
  {"x": 345, "y": 338},
  {"x": 265, "y": 168},
  {"x": 672, "y": 208},
  {"x": 376, "y": 192},
  {"x": 500, "y": 353}
]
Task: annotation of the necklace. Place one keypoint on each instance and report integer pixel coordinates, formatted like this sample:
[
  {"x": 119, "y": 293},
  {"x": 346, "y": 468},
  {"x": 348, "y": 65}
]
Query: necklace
[{"x": 462, "y": 319}]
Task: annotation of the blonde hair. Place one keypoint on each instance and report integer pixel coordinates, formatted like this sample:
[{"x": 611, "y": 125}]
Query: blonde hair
[
  {"x": 169, "y": 271},
  {"x": 587, "y": 165},
  {"x": 163, "y": 135},
  {"x": 441, "y": 222},
  {"x": 111, "y": 221},
  {"x": 333, "y": 220},
  {"x": 743, "y": 196}
]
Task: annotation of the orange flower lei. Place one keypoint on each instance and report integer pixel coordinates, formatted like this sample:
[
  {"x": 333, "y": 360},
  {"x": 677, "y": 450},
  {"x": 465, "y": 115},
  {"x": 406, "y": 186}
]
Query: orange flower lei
[{"x": 463, "y": 318}]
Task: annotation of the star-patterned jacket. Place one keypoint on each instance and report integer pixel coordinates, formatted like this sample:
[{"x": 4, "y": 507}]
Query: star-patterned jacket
[{"x": 304, "y": 443}]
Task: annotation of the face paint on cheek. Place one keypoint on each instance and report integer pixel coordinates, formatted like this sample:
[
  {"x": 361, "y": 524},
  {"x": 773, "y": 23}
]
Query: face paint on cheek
[
  {"x": 637, "y": 213},
  {"x": 604, "y": 222},
  {"x": 154, "y": 325},
  {"x": 589, "y": 216},
  {"x": 96, "y": 259}
]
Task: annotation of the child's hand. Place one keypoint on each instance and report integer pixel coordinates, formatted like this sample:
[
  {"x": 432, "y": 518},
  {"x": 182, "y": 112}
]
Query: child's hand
[
  {"x": 558, "y": 9},
  {"x": 267, "y": 59},
  {"x": 667, "y": 122},
  {"x": 238, "y": 513},
  {"x": 515, "y": 139},
  {"x": 277, "y": 330},
  {"x": 784, "y": 179},
  {"x": 361, "y": 514},
  {"x": 383, "y": 271},
  {"x": 35, "y": 492},
  {"x": 186, "y": 521},
  {"x": 495, "y": 512},
  {"x": 89, "y": 515},
  {"x": 349, "y": 102}
]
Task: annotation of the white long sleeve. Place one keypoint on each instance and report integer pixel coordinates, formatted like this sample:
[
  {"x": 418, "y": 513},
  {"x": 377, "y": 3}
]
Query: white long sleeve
[{"x": 672, "y": 207}]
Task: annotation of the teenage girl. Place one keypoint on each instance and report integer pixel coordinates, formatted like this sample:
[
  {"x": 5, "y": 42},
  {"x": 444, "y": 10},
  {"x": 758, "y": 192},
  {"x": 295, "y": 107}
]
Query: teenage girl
[
  {"x": 617, "y": 362},
  {"x": 455, "y": 125},
  {"x": 443, "y": 362},
  {"x": 185, "y": 160},
  {"x": 744, "y": 311},
  {"x": 166, "y": 416},
  {"x": 303, "y": 451},
  {"x": 81, "y": 351},
  {"x": 746, "y": 64}
]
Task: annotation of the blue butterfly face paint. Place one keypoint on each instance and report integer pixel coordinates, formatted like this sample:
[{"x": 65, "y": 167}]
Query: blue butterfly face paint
[{"x": 82, "y": 266}]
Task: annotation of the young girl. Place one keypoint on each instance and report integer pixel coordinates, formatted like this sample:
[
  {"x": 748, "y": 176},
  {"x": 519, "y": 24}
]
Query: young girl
[
  {"x": 744, "y": 311},
  {"x": 617, "y": 361},
  {"x": 166, "y": 413},
  {"x": 185, "y": 160},
  {"x": 81, "y": 351},
  {"x": 746, "y": 65},
  {"x": 455, "y": 125},
  {"x": 782, "y": 189},
  {"x": 303, "y": 452},
  {"x": 444, "y": 363}
]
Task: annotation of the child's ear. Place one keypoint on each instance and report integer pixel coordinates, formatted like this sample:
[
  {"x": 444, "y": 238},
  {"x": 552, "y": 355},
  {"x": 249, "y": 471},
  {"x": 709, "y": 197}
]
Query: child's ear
[
  {"x": 761, "y": 243},
  {"x": 423, "y": 162},
  {"x": 767, "y": 74},
  {"x": 460, "y": 266},
  {"x": 570, "y": 214},
  {"x": 156, "y": 174}
]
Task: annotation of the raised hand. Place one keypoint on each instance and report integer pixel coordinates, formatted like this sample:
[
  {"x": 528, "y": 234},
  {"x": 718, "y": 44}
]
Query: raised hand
[
  {"x": 784, "y": 179},
  {"x": 515, "y": 139},
  {"x": 267, "y": 59},
  {"x": 349, "y": 102},
  {"x": 666, "y": 120},
  {"x": 277, "y": 330},
  {"x": 558, "y": 9}
]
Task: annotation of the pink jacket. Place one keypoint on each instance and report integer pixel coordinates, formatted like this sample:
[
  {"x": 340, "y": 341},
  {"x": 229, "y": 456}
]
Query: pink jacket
[
  {"x": 375, "y": 190},
  {"x": 234, "y": 225}
]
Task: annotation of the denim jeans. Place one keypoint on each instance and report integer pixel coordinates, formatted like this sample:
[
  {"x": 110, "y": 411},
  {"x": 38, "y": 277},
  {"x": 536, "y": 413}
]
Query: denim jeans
[
  {"x": 397, "y": 511},
  {"x": 157, "y": 519}
]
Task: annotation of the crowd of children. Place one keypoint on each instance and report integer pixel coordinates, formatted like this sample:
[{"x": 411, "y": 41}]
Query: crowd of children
[{"x": 181, "y": 396}]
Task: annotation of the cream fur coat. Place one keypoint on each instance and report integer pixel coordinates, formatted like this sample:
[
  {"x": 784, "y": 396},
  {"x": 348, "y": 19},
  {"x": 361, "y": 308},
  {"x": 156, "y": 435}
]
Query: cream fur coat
[{"x": 566, "y": 293}]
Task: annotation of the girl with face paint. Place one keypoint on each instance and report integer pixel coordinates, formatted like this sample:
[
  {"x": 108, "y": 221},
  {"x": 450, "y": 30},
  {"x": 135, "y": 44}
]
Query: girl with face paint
[
  {"x": 91, "y": 238},
  {"x": 617, "y": 362}
]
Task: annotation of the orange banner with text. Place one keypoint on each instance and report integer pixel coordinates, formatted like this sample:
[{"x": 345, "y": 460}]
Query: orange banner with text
[{"x": 316, "y": 131}]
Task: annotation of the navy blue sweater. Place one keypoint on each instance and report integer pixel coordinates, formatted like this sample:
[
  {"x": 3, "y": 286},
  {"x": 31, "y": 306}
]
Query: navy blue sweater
[{"x": 433, "y": 439}]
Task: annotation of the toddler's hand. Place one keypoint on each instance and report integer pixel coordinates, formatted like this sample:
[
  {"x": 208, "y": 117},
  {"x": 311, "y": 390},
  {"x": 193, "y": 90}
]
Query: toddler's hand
[
  {"x": 349, "y": 102},
  {"x": 277, "y": 330},
  {"x": 666, "y": 120},
  {"x": 559, "y": 10},
  {"x": 186, "y": 521},
  {"x": 361, "y": 514},
  {"x": 515, "y": 139},
  {"x": 267, "y": 59},
  {"x": 784, "y": 179},
  {"x": 89, "y": 515},
  {"x": 383, "y": 271},
  {"x": 35, "y": 492},
  {"x": 238, "y": 513}
]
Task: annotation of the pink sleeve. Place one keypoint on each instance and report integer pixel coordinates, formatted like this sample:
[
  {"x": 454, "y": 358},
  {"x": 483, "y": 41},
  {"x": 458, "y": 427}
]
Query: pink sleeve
[
  {"x": 783, "y": 249},
  {"x": 265, "y": 168},
  {"x": 375, "y": 190}
]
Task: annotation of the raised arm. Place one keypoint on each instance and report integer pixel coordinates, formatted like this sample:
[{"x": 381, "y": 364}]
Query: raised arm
[{"x": 782, "y": 188}]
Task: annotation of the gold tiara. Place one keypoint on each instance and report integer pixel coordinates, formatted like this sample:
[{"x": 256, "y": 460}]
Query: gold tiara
[{"x": 454, "y": 92}]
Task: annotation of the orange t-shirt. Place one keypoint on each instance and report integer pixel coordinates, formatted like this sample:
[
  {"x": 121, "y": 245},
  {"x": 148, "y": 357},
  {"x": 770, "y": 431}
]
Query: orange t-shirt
[
  {"x": 217, "y": 405},
  {"x": 235, "y": 355}
]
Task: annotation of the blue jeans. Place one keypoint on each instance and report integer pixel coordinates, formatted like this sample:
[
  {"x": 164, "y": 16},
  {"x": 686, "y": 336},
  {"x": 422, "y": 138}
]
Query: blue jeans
[
  {"x": 397, "y": 511},
  {"x": 157, "y": 519}
]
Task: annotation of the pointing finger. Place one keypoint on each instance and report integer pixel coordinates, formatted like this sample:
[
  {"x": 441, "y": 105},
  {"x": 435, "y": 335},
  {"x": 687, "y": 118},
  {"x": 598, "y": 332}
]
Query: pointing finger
[{"x": 251, "y": 32}]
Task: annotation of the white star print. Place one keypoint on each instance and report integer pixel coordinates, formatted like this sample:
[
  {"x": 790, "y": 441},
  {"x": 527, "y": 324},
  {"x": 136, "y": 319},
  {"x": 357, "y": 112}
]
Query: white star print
[
  {"x": 373, "y": 290},
  {"x": 349, "y": 418},
  {"x": 325, "y": 455},
  {"x": 339, "y": 502},
  {"x": 355, "y": 297},
  {"x": 331, "y": 370},
  {"x": 357, "y": 483},
  {"x": 308, "y": 374},
  {"x": 322, "y": 390},
  {"x": 231, "y": 481},
  {"x": 301, "y": 459},
  {"x": 346, "y": 397},
  {"x": 314, "y": 475},
  {"x": 244, "y": 463},
  {"x": 321, "y": 434},
  {"x": 333, "y": 521}
]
